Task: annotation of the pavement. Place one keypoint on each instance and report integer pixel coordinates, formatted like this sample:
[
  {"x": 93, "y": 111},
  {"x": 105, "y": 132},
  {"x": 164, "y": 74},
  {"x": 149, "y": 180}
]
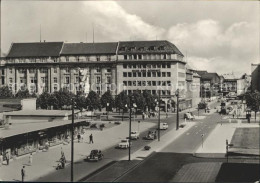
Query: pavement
[{"x": 45, "y": 162}]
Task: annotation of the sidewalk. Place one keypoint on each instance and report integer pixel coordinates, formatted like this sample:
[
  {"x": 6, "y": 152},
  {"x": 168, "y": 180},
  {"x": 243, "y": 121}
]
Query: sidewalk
[
  {"x": 45, "y": 162},
  {"x": 215, "y": 144}
]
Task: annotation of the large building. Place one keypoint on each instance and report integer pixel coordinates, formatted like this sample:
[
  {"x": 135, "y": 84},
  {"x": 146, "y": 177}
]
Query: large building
[
  {"x": 255, "y": 74},
  {"x": 155, "y": 66}
]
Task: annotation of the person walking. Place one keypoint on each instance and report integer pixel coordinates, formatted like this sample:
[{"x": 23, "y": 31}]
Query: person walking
[
  {"x": 78, "y": 137},
  {"x": 166, "y": 115},
  {"x": 91, "y": 139},
  {"x": 23, "y": 173},
  {"x": 7, "y": 156},
  {"x": 30, "y": 159},
  {"x": 1, "y": 159}
]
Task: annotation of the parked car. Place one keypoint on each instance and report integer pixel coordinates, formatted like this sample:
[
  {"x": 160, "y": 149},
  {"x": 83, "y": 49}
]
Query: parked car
[
  {"x": 150, "y": 136},
  {"x": 124, "y": 144},
  {"x": 164, "y": 126},
  {"x": 134, "y": 135},
  {"x": 189, "y": 116},
  {"x": 95, "y": 155}
]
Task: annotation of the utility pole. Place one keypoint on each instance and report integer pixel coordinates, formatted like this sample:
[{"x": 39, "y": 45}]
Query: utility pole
[
  {"x": 72, "y": 142},
  {"x": 130, "y": 126},
  {"x": 159, "y": 115},
  {"x": 177, "y": 121}
]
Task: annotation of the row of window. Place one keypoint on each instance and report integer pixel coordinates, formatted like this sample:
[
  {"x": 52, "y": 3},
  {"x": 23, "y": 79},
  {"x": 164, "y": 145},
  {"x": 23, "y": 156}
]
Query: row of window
[
  {"x": 147, "y": 57},
  {"x": 146, "y": 74},
  {"x": 148, "y": 66},
  {"x": 153, "y": 92},
  {"x": 133, "y": 48},
  {"x": 147, "y": 83}
]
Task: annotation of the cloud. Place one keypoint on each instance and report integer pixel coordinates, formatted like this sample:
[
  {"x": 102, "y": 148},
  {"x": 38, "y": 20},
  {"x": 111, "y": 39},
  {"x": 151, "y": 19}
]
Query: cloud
[{"x": 213, "y": 47}]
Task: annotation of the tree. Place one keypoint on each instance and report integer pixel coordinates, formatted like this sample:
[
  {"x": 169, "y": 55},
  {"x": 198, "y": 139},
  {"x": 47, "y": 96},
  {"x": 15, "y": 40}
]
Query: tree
[
  {"x": 138, "y": 99},
  {"x": 121, "y": 100},
  {"x": 23, "y": 94},
  {"x": 93, "y": 100},
  {"x": 107, "y": 98},
  {"x": 43, "y": 100},
  {"x": 253, "y": 101},
  {"x": 53, "y": 101},
  {"x": 64, "y": 97},
  {"x": 5, "y": 92},
  {"x": 81, "y": 102},
  {"x": 149, "y": 100}
]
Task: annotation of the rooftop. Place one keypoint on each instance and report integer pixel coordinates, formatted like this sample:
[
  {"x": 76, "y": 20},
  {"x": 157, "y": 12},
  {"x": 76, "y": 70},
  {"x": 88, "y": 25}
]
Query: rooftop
[
  {"x": 17, "y": 128},
  {"x": 160, "y": 46},
  {"x": 89, "y": 48},
  {"x": 36, "y": 49},
  {"x": 40, "y": 113}
]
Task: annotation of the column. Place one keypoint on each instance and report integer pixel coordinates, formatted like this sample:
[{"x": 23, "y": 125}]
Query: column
[
  {"x": 28, "y": 80},
  {"x": 113, "y": 81},
  {"x": 103, "y": 80},
  {"x": 92, "y": 78},
  {"x": 38, "y": 84},
  {"x": 49, "y": 80}
]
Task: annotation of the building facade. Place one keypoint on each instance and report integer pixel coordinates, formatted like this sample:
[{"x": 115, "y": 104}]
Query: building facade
[
  {"x": 155, "y": 66},
  {"x": 255, "y": 74}
]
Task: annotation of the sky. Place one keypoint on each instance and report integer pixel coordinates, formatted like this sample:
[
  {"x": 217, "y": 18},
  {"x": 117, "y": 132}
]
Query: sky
[{"x": 217, "y": 36}]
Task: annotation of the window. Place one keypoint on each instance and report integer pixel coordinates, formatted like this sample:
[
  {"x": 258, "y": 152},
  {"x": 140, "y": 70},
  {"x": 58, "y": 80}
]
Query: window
[
  {"x": 98, "y": 69},
  {"x": 134, "y": 74},
  {"x": 22, "y": 79},
  {"x": 138, "y": 66},
  {"x": 148, "y": 74},
  {"x": 158, "y": 66},
  {"x": 129, "y": 66},
  {"x": 168, "y": 74},
  {"x": 129, "y": 74},
  {"x": 125, "y": 83},
  {"x": 67, "y": 80},
  {"x": 148, "y": 83},
  {"x": 168, "y": 83},
  {"x": 98, "y": 58},
  {"x": 163, "y": 74},
  {"x": 140, "y": 57},
  {"x": 124, "y": 66},
  {"x": 55, "y": 70},
  {"x": 135, "y": 57},
  {"x": 129, "y": 83},
  {"x": 154, "y": 66},
  {"x": 134, "y": 66},
  {"x": 125, "y": 57},
  {"x": 139, "y": 74},
  {"x": 44, "y": 79},
  {"x": 152, "y": 48},
  {"x": 10, "y": 70},
  {"x": 67, "y": 70},
  {"x": 130, "y": 57},
  {"x": 67, "y": 59},
  {"x": 55, "y": 80},
  {"x": 10, "y": 80},
  {"x": 33, "y": 79},
  {"x": 3, "y": 72},
  {"x": 109, "y": 58},
  {"x": 98, "y": 90},
  {"x": 161, "y": 48},
  {"x": 108, "y": 70},
  {"x": 22, "y": 71},
  {"x": 139, "y": 83},
  {"x": 124, "y": 74},
  {"x": 98, "y": 79},
  {"x": 153, "y": 83},
  {"x": 108, "y": 80},
  {"x": 141, "y": 48},
  {"x": 134, "y": 83},
  {"x": 144, "y": 83},
  {"x": 144, "y": 74},
  {"x": 164, "y": 56},
  {"x": 163, "y": 83},
  {"x": 163, "y": 66},
  {"x": 168, "y": 65},
  {"x": 154, "y": 74},
  {"x": 159, "y": 83}
]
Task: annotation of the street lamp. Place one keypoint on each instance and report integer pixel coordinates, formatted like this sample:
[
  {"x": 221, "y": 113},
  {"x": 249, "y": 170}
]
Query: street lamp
[
  {"x": 177, "y": 121},
  {"x": 107, "y": 110},
  {"x": 202, "y": 135},
  {"x": 72, "y": 141},
  {"x": 159, "y": 114},
  {"x": 130, "y": 126}
]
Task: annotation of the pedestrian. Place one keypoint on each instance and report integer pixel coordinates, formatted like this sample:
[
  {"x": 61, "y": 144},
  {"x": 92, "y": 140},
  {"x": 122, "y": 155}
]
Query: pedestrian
[
  {"x": 1, "y": 159},
  {"x": 7, "y": 156},
  {"x": 166, "y": 115},
  {"x": 30, "y": 159},
  {"x": 78, "y": 137},
  {"x": 91, "y": 139},
  {"x": 23, "y": 173}
]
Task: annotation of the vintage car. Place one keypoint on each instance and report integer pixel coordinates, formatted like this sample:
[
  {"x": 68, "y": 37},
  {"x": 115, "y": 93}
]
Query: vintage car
[
  {"x": 95, "y": 155},
  {"x": 164, "y": 126},
  {"x": 124, "y": 144},
  {"x": 134, "y": 135},
  {"x": 150, "y": 136},
  {"x": 188, "y": 116}
]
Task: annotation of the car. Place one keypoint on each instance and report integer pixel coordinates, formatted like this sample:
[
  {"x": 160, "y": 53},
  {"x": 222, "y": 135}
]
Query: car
[
  {"x": 124, "y": 144},
  {"x": 134, "y": 135},
  {"x": 189, "y": 116},
  {"x": 164, "y": 126},
  {"x": 150, "y": 136},
  {"x": 95, "y": 155}
]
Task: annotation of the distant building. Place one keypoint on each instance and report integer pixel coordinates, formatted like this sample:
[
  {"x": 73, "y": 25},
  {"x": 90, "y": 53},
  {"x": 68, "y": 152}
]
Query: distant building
[
  {"x": 255, "y": 73},
  {"x": 210, "y": 84}
]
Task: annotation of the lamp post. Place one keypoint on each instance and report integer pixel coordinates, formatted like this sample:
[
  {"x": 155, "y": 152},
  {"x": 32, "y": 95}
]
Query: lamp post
[
  {"x": 177, "y": 121},
  {"x": 227, "y": 149},
  {"x": 107, "y": 110},
  {"x": 72, "y": 141},
  {"x": 202, "y": 135},
  {"x": 130, "y": 126}
]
